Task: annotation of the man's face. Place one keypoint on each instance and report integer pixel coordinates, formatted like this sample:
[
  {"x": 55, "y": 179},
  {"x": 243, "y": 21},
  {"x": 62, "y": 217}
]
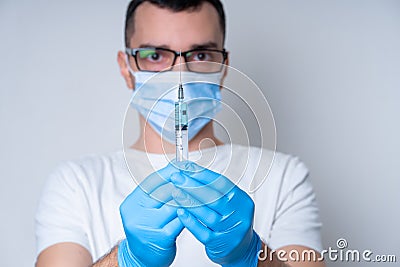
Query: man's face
[{"x": 185, "y": 30}]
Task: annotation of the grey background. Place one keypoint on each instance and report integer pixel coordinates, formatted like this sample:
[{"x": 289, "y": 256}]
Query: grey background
[{"x": 330, "y": 70}]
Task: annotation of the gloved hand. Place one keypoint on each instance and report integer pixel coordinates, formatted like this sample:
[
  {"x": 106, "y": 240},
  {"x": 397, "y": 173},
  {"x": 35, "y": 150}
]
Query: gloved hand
[
  {"x": 218, "y": 213},
  {"x": 150, "y": 225}
]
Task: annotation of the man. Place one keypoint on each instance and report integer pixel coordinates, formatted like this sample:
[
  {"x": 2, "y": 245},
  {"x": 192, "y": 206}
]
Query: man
[{"x": 181, "y": 214}]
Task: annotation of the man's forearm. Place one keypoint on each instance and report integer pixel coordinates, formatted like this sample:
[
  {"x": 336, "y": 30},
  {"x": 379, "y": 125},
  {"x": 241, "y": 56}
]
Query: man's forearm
[
  {"x": 265, "y": 261},
  {"x": 279, "y": 258},
  {"x": 111, "y": 259},
  {"x": 108, "y": 260}
]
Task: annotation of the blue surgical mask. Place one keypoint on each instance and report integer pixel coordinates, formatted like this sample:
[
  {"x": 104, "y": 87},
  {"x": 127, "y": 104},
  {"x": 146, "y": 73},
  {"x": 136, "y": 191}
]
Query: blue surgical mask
[{"x": 155, "y": 95}]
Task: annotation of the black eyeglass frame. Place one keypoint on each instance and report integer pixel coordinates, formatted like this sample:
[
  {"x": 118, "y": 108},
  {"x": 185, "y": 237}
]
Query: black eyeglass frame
[{"x": 133, "y": 52}]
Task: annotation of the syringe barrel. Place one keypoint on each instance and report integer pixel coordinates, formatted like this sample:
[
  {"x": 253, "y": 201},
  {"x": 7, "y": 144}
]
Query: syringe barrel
[{"x": 181, "y": 131}]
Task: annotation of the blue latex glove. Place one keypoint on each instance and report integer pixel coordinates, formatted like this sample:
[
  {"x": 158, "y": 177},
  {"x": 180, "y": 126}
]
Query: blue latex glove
[
  {"x": 218, "y": 213},
  {"x": 150, "y": 225}
]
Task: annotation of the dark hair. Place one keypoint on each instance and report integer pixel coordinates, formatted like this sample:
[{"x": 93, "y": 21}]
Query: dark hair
[{"x": 174, "y": 5}]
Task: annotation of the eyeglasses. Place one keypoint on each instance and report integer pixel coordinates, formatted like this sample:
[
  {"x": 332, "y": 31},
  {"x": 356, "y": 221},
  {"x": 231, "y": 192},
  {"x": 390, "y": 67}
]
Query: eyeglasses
[{"x": 163, "y": 59}]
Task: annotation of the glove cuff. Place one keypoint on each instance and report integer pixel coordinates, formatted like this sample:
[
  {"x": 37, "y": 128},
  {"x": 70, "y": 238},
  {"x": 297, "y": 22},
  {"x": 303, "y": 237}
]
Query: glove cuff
[
  {"x": 125, "y": 256},
  {"x": 250, "y": 258},
  {"x": 255, "y": 252}
]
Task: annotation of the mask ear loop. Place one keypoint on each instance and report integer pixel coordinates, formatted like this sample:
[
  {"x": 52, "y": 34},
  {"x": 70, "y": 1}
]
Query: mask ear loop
[
  {"x": 129, "y": 65},
  {"x": 138, "y": 74}
]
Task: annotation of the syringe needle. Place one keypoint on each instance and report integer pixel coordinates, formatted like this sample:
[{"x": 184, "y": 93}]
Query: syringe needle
[
  {"x": 180, "y": 89},
  {"x": 180, "y": 67}
]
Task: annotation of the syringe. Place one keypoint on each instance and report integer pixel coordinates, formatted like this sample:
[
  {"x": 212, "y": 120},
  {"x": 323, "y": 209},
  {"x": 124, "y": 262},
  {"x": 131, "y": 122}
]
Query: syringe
[{"x": 181, "y": 122}]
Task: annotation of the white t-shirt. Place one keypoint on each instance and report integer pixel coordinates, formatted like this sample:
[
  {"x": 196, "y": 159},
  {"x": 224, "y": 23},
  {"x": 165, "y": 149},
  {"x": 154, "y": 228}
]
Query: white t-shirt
[{"x": 80, "y": 201}]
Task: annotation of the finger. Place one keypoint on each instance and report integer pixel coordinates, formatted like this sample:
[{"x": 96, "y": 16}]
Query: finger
[
  {"x": 201, "y": 232},
  {"x": 203, "y": 213},
  {"x": 158, "y": 178},
  {"x": 164, "y": 215},
  {"x": 174, "y": 227},
  {"x": 162, "y": 195},
  {"x": 196, "y": 197},
  {"x": 204, "y": 193},
  {"x": 172, "y": 203},
  {"x": 157, "y": 218},
  {"x": 221, "y": 207},
  {"x": 138, "y": 197},
  {"x": 205, "y": 176},
  {"x": 185, "y": 200}
]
